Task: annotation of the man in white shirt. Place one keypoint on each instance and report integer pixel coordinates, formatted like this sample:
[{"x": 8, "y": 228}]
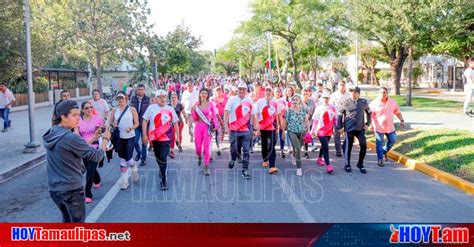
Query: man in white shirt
[
  {"x": 469, "y": 86},
  {"x": 336, "y": 98},
  {"x": 334, "y": 79},
  {"x": 7, "y": 99},
  {"x": 162, "y": 119},
  {"x": 190, "y": 95}
]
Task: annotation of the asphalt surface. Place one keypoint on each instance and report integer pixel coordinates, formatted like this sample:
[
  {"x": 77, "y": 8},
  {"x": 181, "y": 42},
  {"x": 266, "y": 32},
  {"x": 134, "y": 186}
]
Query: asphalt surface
[{"x": 390, "y": 194}]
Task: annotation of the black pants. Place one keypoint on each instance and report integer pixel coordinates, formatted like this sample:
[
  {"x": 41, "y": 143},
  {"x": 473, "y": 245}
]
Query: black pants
[
  {"x": 268, "y": 138},
  {"x": 71, "y": 203},
  {"x": 360, "y": 135},
  {"x": 92, "y": 176},
  {"x": 324, "y": 151},
  {"x": 161, "y": 150}
]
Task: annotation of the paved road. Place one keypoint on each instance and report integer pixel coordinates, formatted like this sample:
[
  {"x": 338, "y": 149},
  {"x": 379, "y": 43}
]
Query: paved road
[{"x": 390, "y": 194}]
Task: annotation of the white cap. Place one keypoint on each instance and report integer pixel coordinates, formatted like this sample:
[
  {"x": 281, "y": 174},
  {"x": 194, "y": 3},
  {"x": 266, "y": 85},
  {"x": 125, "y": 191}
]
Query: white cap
[
  {"x": 326, "y": 94},
  {"x": 161, "y": 93},
  {"x": 242, "y": 85}
]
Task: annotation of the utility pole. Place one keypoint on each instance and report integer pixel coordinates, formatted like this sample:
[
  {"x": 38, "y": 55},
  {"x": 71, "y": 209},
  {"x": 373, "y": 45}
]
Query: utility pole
[
  {"x": 270, "y": 76},
  {"x": 356, "y": 78},
  {"x": 32, "y": 146}
]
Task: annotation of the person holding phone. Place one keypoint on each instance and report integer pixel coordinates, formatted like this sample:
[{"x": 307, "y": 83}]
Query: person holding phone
[
  {"x": 89, "y": 125},
  {"x": 65, "y": 151}
]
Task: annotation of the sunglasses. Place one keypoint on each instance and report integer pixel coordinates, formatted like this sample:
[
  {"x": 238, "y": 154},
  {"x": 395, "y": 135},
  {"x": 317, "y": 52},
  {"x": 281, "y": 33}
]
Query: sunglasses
[{"x": 88, "y": 107}]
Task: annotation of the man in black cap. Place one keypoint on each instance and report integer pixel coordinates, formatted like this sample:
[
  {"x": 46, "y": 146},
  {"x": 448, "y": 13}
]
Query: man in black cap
[
  {"x": 351, "y": 120},
  {"x": 64, "y": 153}
]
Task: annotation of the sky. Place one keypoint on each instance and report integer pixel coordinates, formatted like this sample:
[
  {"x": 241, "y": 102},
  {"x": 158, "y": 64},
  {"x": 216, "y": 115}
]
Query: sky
[{"x": 212, "y": 20}]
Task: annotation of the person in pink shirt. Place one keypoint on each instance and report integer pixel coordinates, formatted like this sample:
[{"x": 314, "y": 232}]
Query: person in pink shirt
[
  {"x": 267, "y": 113},
  {"x": 204, "y": 115},
  {"x": 88, "y": 126},
  {"x": 324, "y": 119},
  {"x": 162, "y": 119},
  {"x": 383, "y": 110},
  {"x": 219, "y": 100}
]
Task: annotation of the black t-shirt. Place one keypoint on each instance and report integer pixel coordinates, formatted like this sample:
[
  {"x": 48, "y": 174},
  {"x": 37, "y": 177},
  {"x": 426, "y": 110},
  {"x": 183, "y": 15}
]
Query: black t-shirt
[{"x": 178, "y": 109}]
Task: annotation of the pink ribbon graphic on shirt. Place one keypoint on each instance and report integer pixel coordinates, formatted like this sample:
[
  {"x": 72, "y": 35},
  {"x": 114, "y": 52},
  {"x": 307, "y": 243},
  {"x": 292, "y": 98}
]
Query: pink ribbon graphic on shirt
[
  {"x": 242, "y": 113},
  {"x": 162, "y": 123},
  {"x": 268, "y": 116}
]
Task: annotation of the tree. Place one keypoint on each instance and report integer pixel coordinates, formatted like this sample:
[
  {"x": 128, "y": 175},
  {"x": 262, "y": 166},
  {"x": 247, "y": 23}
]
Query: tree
[
  {"x": 370, "y": 56},
  {"x": 322, "y": 36},
  {"x": 227, "y": 59},
  {"x": 398, "y": 26},
  {"x": 247, "y": 47},
  {"x": 282, "y": 18},
  {"x": 457, "y": 39},
  {"x": 99, "y": 31}
]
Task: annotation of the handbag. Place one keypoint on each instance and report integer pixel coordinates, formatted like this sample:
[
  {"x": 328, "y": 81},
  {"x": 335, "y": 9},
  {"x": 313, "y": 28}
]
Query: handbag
[{"x": 115, "y": 137}]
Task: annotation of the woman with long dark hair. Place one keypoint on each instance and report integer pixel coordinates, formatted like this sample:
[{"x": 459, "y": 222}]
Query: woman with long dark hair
[{"x": 204, "y": 115}]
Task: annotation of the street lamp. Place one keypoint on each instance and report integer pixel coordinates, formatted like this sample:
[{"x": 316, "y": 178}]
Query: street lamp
[{"x": 30, "y": 147}]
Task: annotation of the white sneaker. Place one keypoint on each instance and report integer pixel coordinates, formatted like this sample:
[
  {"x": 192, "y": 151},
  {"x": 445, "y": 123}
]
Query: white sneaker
[
  {"x": 124, "y": 182},
  {"x": 299, "y": 172},
  {"x": 135, "y": 176},
  {"x": 293, "y": 160}
]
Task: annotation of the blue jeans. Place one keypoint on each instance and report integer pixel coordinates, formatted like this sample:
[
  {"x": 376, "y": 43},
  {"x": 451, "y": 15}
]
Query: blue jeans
[
  {"x": 240, "y": 139},
  {"x": 4, "y": 113},
  {"x": 142, "y": 151},
  {"x": 379, "y": 143}
]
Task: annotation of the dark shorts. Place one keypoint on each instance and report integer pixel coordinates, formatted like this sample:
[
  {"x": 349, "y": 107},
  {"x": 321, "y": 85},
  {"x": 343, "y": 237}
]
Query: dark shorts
[{"x": 125, "y": 149}]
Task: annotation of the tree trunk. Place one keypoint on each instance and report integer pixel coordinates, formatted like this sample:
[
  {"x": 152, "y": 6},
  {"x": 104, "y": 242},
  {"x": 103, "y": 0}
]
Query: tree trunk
[
  {"x": 293, "y": 61},
  {"x": 396, "y": 66},
  {"x": 98, "y": 69},
  {"x": 315, "y": 69},
  {"x": 410, "y": 73},
  {"x": 373, "y": 78},
  {"x": 285, "y": 70}
]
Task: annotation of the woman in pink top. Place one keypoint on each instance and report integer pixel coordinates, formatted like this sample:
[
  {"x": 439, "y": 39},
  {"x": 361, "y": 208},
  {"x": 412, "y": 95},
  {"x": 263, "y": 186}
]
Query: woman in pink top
[
  {"x": 204, "y": 115},
  {"x": 219, "y": 100},
  {"x": 324, "y": 118},
  {"x": 89, "y": 125}
]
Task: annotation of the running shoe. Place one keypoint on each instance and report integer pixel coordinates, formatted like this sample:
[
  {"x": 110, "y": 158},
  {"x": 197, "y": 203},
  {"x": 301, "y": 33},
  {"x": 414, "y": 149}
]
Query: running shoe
[
  {"x": 265, "y": 164},
  {"x": 320, "y": 162},
  {"x": 329, "y": 169},
  {"x": 89, "y": 200},
  {"x": 246, "y": 174},
  {"x": 273, "y": 170},
  {"x": 299, "y": 172},
  {"x": 96, "y": 186},
  {"x": 231, "y": 164}
]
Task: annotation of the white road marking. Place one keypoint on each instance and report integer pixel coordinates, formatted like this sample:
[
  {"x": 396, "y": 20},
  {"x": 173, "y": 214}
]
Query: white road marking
[
  {"x": 295, "y": 202},
  {"x": 105, "y": 202}
]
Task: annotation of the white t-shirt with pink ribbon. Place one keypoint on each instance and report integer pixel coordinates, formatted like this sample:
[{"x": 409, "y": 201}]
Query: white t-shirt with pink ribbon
[
  {"x": 267, "y": 112},
  {"x": 161, "y": 120},
  {"x": 240, "y": 111}
]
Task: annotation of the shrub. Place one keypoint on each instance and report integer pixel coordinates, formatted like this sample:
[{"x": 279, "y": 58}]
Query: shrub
[{"x": 383, "y": 74}]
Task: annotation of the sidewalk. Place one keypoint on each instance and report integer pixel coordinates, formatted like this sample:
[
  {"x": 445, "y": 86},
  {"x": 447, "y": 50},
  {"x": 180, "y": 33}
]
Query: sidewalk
[
  {"x": 12, "y": 143},
  {"x": 417, "y": 119}
]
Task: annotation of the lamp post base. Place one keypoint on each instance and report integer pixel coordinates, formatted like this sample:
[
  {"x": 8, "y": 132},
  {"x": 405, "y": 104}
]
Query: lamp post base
[{"x": 31, "y": 147}]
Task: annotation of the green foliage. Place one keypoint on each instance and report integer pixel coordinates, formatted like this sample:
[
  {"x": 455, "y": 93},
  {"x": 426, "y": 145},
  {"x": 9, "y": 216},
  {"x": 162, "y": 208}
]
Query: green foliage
[
  {"x": 417, "y": 72},
  {"x": 449, "y": 150},
  {"x": 19, "y": 86},
  {"x": 383, "y": 74}
]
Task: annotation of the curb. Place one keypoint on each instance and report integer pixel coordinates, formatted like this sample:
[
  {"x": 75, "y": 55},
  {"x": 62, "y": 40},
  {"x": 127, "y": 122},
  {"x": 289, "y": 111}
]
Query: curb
[
  {"x": 35, "y": 161},
  {"x": 435, "y": 173}
]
